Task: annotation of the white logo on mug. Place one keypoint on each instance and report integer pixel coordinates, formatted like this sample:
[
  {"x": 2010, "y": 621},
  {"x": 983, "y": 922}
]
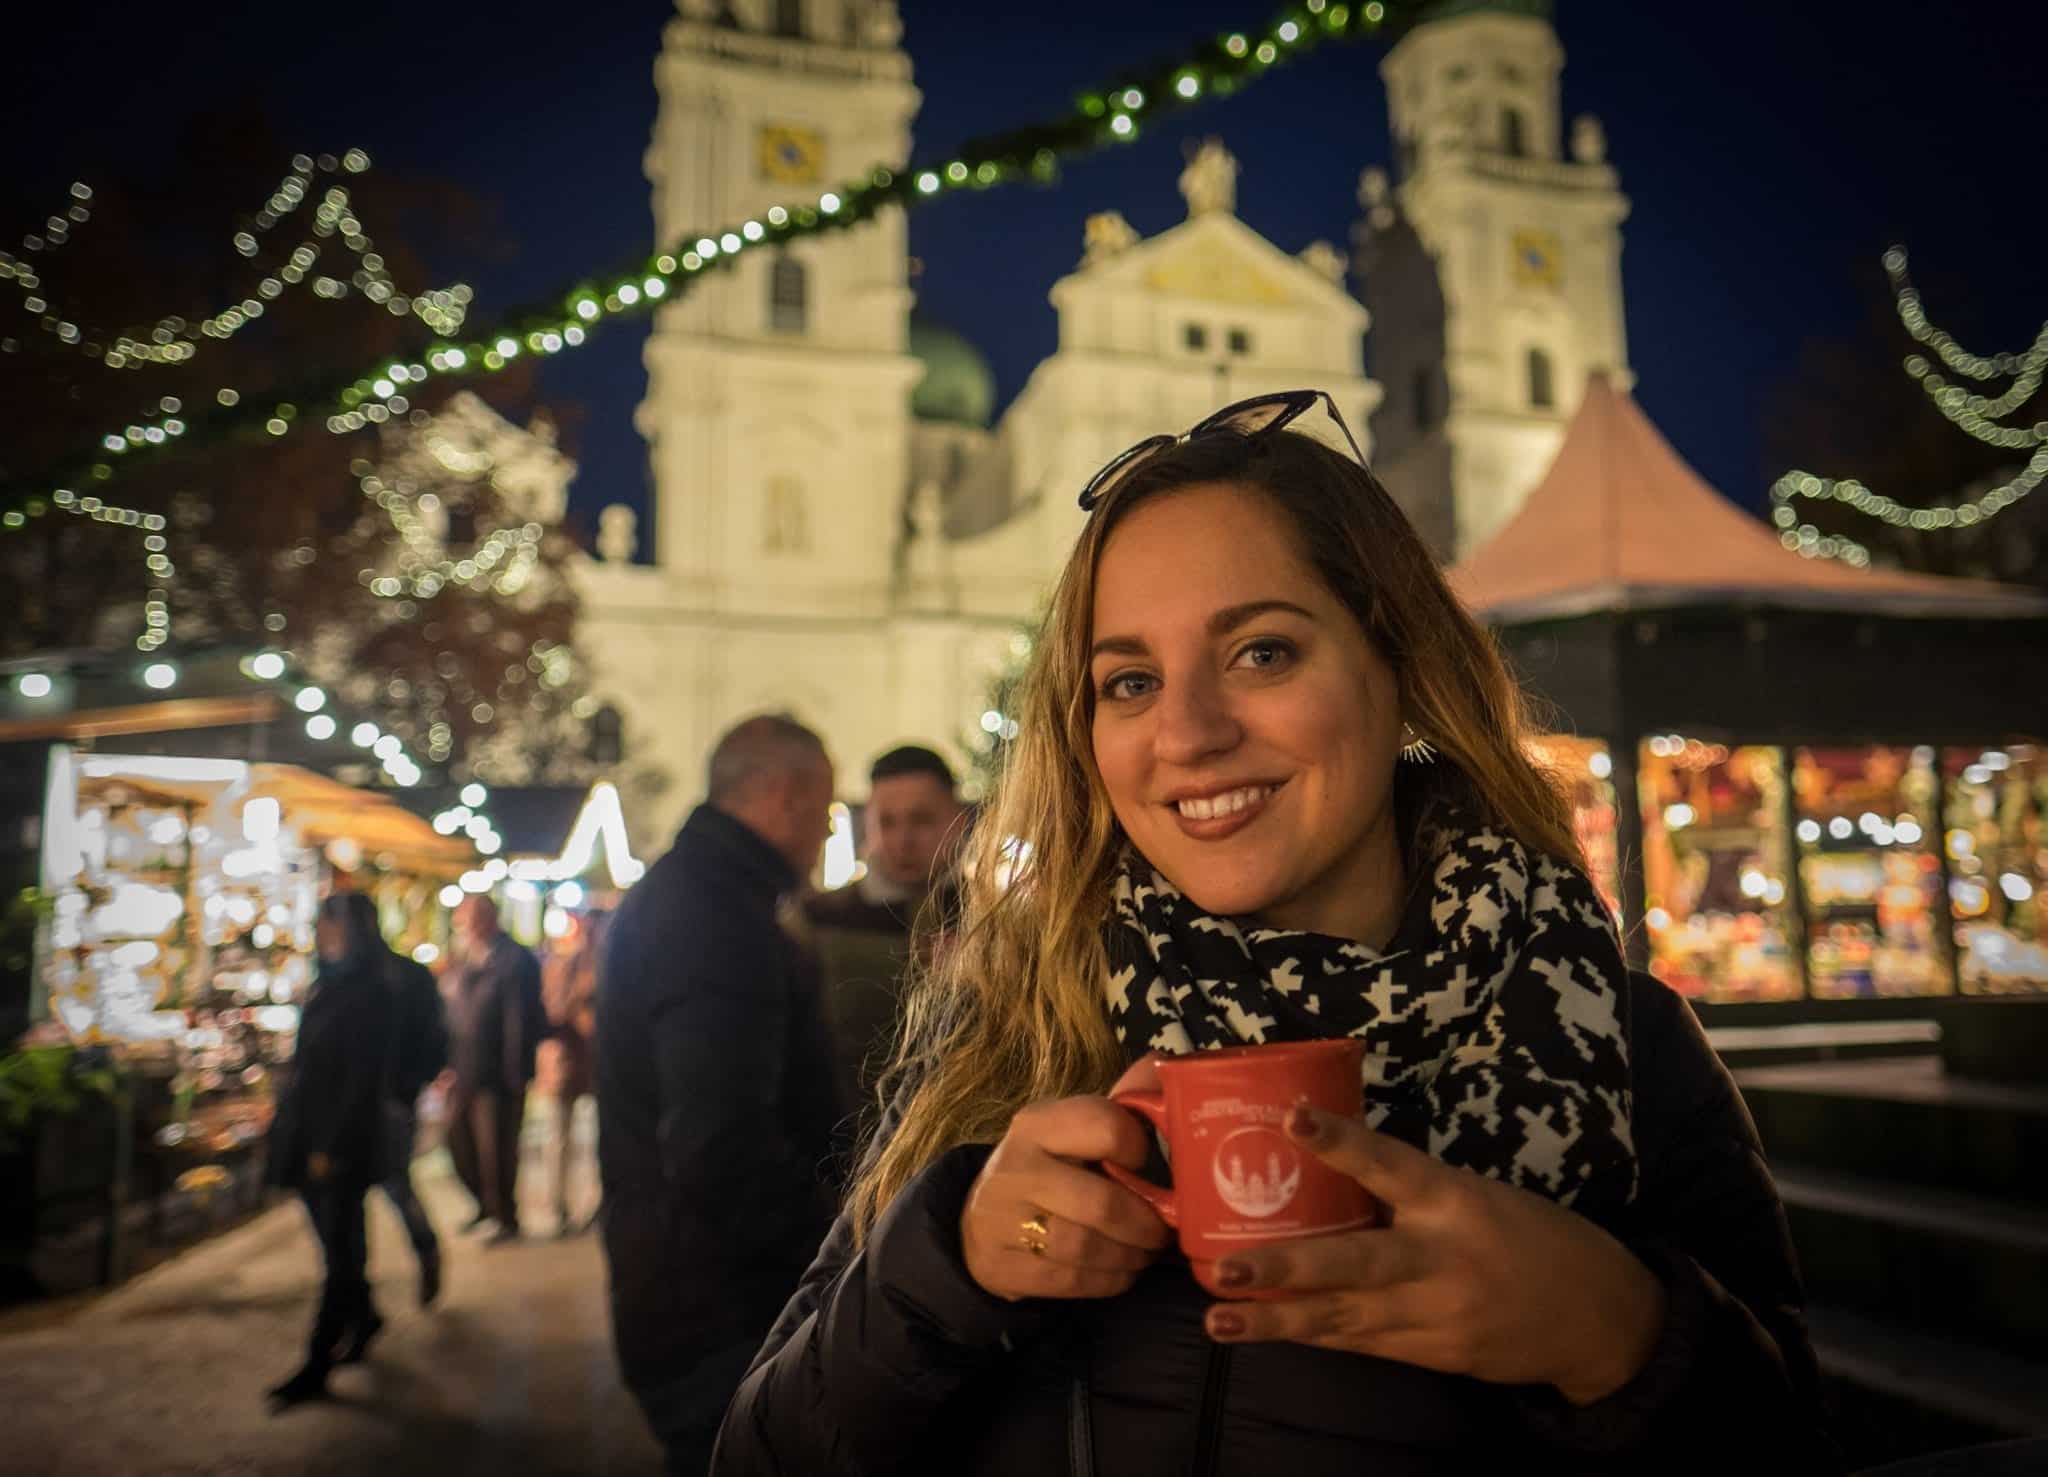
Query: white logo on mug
[{"x": 1257, "y": 1172}]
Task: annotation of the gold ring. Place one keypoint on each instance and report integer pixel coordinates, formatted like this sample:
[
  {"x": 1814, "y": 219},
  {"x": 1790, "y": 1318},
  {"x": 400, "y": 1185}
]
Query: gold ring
[{"x": 1035, "y": 1231}]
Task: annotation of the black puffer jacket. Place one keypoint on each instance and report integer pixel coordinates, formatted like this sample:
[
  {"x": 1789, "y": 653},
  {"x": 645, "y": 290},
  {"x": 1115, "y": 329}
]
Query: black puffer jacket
[
  {"x": 340, "y": 1075},
  {"x": 714, "y": 1101},
  {"x": 892, "y": 1359}
]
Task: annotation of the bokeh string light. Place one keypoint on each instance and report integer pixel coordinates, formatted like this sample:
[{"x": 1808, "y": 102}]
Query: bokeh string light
[
  {"x": 174, "y": 340},
  {"x": 1118, "y": 114},
  {"x": 1972, "y": 413}
]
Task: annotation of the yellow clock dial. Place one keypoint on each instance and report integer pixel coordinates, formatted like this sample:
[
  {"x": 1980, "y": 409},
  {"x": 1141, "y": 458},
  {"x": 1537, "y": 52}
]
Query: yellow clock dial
[
  {"x": 791, "y": 155},
  {"x": 1538, "y": 259}
]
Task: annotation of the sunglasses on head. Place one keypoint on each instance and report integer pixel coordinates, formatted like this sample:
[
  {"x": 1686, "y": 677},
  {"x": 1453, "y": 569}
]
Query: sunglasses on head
[{"x": 1253, "y": 419}]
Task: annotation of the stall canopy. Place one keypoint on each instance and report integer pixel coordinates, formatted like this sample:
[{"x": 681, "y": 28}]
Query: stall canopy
[
  {"x": 1621, "y": 523},
  {"x": 324, "y": 811}
]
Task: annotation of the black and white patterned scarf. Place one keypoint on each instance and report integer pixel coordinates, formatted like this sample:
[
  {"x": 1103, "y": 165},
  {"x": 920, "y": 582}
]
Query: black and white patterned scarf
[{"x": 1493, "y": 1021}]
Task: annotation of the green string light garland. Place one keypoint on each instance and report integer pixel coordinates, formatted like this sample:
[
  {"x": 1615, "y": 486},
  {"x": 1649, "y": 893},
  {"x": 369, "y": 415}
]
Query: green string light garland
[
  {"x": 174, "y": 340},
  {"x": 1974, "y": 414},
  {"x": 1214, "y": 68}
]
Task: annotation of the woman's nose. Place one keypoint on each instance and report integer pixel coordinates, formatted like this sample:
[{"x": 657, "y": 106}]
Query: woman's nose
[{"x": 1195, "y": 722}]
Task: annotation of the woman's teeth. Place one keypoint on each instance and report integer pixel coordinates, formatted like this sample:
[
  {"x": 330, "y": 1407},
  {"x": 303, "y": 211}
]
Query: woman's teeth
[{"x": 1210, "y": 807}]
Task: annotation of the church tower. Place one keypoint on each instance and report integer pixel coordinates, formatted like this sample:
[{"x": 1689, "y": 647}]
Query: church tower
[
  {"x": 1491, "y": 265},
  {"x": 776, "y": 413}
]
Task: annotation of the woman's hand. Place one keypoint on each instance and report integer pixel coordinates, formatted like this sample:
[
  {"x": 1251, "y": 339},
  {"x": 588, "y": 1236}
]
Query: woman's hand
[
  {"x": 1469, "y": 1276},
  {"x": 1097, "y": 1236}
]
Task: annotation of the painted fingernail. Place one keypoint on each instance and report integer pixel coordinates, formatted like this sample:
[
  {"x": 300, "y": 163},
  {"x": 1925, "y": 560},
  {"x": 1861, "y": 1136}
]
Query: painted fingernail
[
  {"x": 1233, "y": 1274},
  {"x": 1301, "y": 1121},
  {"x": 1225, "y": 1324}
]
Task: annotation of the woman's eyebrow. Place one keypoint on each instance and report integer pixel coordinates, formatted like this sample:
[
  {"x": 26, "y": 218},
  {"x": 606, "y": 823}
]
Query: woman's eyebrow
[
  {"x": 1233, "y": 616},
  {"x": 1227, "y": 619}
]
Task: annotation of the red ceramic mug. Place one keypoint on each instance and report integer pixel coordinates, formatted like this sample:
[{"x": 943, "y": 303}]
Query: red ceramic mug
[{"x": 1239, "y": 1180}]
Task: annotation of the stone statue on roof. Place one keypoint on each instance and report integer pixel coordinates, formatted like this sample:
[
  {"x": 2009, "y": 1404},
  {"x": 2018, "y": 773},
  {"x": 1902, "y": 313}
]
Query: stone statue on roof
[
  {"x": 1104, "y": 235},
  {"x": 618, "y": 538},
  {"x": 1589, "y": 140},
  {"x": 1325, "y": 260},
  {"x": 1209, "y": 183}
]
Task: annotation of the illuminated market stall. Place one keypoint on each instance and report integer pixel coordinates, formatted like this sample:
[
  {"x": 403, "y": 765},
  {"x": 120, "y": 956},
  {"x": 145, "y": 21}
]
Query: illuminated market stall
[
  {"x": 1811, "y": 783},
  {"x": 165, "y": 876}
]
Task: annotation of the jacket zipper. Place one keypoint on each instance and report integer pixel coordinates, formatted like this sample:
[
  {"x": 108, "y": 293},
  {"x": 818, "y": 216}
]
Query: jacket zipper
[{"x": 1209, "y": 1433}]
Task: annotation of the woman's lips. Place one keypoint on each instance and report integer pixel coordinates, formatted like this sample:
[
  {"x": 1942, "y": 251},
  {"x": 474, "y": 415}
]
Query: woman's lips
[{"x": 1213, "y": 817}]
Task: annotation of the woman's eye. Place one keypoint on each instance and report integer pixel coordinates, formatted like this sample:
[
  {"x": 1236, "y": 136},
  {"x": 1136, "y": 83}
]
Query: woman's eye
[
  {"x": 1266, "y": 655},
  {"x": 1126, "y": 685}
]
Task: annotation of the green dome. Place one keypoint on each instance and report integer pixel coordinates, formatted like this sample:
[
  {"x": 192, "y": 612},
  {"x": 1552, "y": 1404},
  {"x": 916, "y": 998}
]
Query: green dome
[{"x": 958, "y": 385}]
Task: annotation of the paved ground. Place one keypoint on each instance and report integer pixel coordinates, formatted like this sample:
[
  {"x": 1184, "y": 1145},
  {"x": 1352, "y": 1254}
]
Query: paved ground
[{"x": 510, "y": 1373}]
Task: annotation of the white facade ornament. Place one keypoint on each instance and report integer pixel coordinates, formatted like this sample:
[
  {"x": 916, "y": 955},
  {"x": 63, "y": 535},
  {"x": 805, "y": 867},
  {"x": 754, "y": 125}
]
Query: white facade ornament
[
  {"x": 1209, "y": 183},
  {"x": 618, "y": 534},
  {"x": 786, "y": 524},
  {"x": 1104, "y": 235},
  {"x": 880, "y": 25},
  {"x": 927, "y": 562},
  {"x": 698, "y": 10},
  {"x": 1325, "y": 260},
  {"x": 1589, "y": 140}
]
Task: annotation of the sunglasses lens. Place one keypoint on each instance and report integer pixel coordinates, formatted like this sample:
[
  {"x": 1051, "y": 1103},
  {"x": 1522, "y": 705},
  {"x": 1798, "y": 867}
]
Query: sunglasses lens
[
  {"x": 1255, "y": 419},
  {"x": 1106, "y": 481}
]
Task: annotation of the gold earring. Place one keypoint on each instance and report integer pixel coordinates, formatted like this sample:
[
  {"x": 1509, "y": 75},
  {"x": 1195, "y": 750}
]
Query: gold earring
[{"x": 1415, "y": 749}]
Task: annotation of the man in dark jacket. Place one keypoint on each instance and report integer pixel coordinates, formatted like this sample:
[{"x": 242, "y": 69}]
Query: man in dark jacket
[
  {"x": 861, "y": 933},
  {"x": 418, "y": 1055},
  {"x": 499, "y": 1020},
  {"x": 713, "y": 1087}
]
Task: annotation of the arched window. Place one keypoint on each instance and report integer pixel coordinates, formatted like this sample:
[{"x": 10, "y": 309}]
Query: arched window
[
  {"x": 607, "y": 736},
  {"x": 786, "y": 519},
  {"x": 1513, "y": 138},
  {"x": 788, "y": 294},
  {"x": 1425, "y": 398},
  {"x": 1542, "y": 392}
]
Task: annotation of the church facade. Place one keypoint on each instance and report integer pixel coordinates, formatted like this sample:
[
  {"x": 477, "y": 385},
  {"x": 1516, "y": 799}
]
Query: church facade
[{"x": 842, "y": 529}]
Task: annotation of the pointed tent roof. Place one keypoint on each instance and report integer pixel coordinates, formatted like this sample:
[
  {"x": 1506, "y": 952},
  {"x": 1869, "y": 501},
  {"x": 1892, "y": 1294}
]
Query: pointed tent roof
[{"x": 1620, "y": 522}]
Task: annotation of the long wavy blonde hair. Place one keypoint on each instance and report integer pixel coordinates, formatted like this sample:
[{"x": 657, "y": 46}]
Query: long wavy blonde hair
[{"x": 1013, "y": 1012}]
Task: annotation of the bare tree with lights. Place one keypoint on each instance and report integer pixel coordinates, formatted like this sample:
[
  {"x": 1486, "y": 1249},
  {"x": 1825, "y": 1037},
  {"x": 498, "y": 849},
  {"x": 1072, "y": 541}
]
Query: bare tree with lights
[
  {"x": 1953, "y": 445},
  {"x": 417, "y": 568}
]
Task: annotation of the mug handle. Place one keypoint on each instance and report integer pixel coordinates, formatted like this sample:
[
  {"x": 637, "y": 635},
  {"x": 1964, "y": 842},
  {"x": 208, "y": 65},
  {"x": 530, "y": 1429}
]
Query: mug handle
[{"x": 1151, "y": 1106}]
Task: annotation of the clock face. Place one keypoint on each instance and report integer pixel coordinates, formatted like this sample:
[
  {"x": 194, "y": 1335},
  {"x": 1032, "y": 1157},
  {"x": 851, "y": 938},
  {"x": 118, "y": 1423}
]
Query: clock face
[
  {"x": 1538, "y": 259},
  {"x": 790, "y": 154}
]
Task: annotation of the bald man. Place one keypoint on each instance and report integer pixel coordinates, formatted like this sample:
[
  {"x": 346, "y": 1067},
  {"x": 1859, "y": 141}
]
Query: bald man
[{"x": 714, "y": 1094}]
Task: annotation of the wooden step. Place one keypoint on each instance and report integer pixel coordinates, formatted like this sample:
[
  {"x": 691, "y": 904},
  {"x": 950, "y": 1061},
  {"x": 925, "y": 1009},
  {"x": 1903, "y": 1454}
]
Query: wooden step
[
  {"x": 1940, "y": 1260},
  {"x": 1905, "y": 1120},
  {"x": 1991, "y": 1393}
]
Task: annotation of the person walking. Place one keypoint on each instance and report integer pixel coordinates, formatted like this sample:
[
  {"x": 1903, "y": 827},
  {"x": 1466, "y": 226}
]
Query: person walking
[
  {"x": 569, "y": 986},
  {"x": 713, "y": 1087},
  {"x": 419, "y": 1054},
  {"x": 328, "y": 1139},
  {"x": 862, "y": 934},
  {"x": 499, "y": 1020}
]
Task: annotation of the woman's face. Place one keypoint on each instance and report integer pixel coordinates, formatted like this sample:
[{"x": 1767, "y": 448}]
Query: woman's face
[
  {"x": 1244, "y": 726},
  {"x": 330, "y": 938}
]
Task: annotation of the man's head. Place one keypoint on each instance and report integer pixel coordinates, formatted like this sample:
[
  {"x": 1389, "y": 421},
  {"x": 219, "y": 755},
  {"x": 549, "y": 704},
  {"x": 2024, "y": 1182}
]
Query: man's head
[
  {"x": 913, "y": 816},
  {"x": 476, "y": 923},
  {"x": 772, "y": 775}
]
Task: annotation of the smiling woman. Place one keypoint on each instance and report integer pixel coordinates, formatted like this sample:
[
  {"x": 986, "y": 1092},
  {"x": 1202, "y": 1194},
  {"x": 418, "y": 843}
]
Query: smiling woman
[{"x": 1272, "y": 786}]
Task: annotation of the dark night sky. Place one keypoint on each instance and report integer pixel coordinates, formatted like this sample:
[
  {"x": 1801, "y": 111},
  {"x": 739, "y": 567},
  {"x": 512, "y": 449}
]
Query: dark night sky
[{"x": 1771, "y": 152}]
